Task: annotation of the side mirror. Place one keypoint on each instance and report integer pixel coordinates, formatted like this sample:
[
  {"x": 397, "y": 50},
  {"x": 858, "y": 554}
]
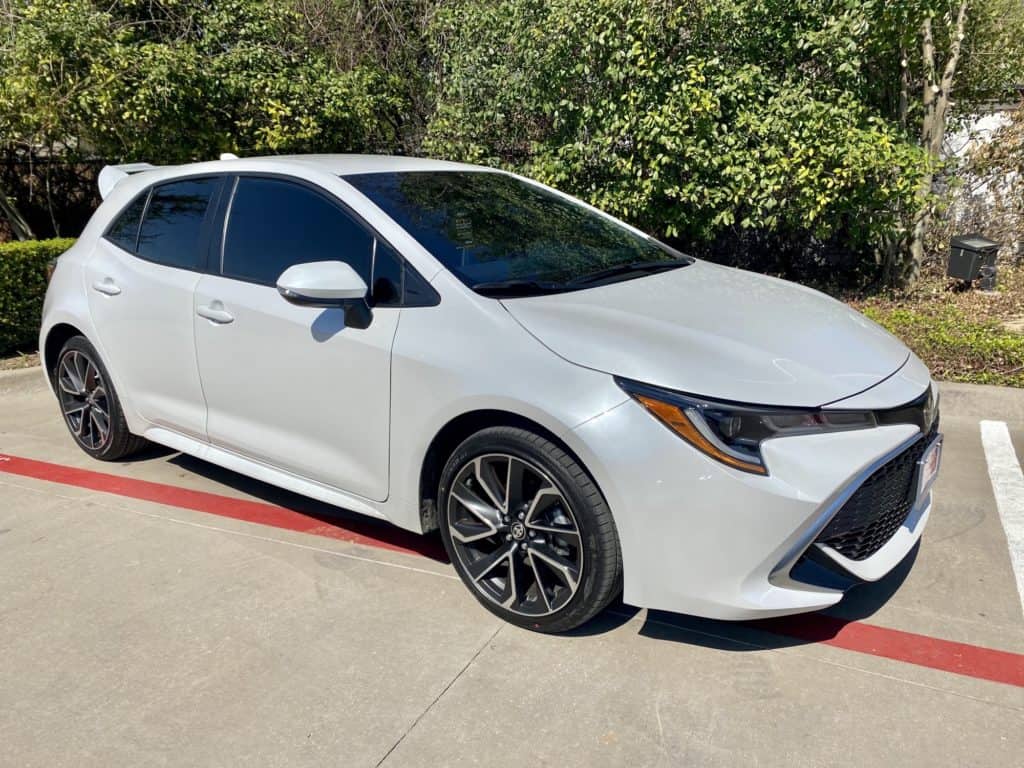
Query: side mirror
[{"x": 327, "y": 284}]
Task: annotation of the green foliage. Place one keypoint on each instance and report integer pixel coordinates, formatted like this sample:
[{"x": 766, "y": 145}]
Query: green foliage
[
  {"x": 649, "y": 112},
  {"x": 23, "y": 268},
  {"x": 181, "y": 79}
]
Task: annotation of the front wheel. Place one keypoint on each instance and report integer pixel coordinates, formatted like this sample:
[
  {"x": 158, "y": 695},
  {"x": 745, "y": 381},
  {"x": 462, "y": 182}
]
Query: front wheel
[{"x": 528, "y": 531}]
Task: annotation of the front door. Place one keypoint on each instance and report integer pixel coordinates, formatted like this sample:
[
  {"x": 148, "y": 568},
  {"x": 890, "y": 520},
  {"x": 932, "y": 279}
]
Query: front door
[{"x": 290, "y": 386}]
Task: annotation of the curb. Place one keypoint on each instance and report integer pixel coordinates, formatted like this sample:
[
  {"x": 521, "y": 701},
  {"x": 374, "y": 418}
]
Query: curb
[{"x": 21, "y": 379}]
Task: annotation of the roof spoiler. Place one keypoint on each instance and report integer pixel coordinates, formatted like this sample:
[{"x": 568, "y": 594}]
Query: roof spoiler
[{"x": 110, "y": 175}]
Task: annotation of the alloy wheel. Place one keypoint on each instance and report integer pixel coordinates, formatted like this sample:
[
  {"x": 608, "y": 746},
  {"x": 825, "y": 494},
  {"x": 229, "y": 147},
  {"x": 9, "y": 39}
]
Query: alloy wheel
[
  {"x": 515, "y": 534},
  {"x": 83, "y": 399}
]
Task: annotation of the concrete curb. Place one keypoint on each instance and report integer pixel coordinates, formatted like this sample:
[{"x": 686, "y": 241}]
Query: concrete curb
[{"x": 21, "y": 379}]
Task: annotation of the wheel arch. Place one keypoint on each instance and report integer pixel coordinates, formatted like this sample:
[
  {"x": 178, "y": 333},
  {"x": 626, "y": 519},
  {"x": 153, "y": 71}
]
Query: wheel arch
[
  {"x": 56, "y": 337},
  {"x": 451, "y": 435}
]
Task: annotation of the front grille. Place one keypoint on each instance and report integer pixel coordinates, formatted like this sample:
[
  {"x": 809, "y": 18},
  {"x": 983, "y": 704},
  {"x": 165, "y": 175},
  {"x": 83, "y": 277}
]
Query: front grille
[{"x": 877, "y": 509}]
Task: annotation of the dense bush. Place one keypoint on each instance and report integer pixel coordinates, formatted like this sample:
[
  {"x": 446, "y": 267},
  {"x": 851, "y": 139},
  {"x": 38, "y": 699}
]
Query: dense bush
[
  {"x": 181, "y": 80},
  {"x": 23, "y": 267},
  {"x": 634, "y": 108}
]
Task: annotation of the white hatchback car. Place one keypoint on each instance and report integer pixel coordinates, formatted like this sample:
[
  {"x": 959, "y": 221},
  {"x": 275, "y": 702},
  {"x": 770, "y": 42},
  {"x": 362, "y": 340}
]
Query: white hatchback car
[{"x": 579, "y": 408}]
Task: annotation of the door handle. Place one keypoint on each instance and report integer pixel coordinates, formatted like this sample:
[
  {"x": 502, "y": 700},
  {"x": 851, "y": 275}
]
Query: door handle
[
  {"x": 106, "y": 286},
  {"x": 215, "y": 313}
]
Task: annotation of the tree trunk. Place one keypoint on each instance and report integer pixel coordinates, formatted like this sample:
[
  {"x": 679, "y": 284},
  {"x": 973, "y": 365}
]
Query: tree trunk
[
  {"x": 936, "y": 101},
  {"x": 9, "y": 210},
  {"x": 903, "y": 107}
]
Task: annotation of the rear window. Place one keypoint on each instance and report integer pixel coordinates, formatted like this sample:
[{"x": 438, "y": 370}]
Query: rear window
[
  {"x": 172, "y": 228},
  {"x": 124, "y": 232}
]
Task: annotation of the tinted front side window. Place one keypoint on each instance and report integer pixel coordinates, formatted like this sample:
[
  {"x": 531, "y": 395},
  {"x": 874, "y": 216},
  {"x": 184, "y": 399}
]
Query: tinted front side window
[
  {"x": 124, "y": 232},
  {"x": 486, "y": 226},
  {"x": 173, "y": 222},
  {"x": 274, "y": 224}
]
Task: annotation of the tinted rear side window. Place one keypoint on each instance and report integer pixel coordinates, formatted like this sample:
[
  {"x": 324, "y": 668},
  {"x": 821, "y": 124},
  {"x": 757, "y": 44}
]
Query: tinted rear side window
[
  {"x": 274, "y": 224},
  {"x": 124, "y": 232},
  {"x": 173, "y": 223}
]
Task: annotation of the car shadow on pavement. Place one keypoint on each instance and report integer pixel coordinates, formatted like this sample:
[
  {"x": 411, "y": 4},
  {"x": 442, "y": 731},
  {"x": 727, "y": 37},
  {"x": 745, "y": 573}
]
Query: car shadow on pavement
[
  {"x": 428, "y": 546},
  {"x": 859, "y": 603}
]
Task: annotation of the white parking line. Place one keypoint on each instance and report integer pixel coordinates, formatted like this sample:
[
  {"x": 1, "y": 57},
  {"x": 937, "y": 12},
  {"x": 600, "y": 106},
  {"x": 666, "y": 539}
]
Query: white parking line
[{"x": 1008, "y": 485}]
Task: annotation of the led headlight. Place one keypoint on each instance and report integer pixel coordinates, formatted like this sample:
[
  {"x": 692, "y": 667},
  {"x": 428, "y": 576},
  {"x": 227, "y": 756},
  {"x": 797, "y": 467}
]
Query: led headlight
[{"x": 732, "y": 433}]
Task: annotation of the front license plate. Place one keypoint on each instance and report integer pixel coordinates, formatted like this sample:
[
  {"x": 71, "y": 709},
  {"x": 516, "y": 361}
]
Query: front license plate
[{"x": 929, "y": 466}]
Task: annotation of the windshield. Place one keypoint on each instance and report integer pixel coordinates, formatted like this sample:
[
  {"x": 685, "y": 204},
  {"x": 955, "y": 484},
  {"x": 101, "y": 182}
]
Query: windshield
[{"x": 502, "y": 236}]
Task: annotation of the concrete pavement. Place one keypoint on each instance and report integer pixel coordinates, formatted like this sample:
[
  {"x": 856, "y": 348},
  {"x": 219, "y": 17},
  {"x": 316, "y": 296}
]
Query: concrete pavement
[{"x": 137, "y": 633}]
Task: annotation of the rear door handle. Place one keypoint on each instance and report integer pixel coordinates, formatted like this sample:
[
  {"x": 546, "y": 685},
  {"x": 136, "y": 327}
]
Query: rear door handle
[
  {"x": 215, "y": 313},
  {"x": 106, "y": 286}
]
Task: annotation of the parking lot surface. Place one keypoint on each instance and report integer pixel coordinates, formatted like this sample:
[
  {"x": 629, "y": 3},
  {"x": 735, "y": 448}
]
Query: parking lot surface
[{"x": 163, "y": 611}]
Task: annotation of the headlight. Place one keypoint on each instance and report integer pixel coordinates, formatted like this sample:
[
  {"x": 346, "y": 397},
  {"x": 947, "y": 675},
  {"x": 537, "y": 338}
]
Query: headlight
[{"x": 733, "y": 433}]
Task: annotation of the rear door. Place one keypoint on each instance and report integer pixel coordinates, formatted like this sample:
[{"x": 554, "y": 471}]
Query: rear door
[
  {"x": 290, "y": 386},
  {"x": 140, "y": 280}
]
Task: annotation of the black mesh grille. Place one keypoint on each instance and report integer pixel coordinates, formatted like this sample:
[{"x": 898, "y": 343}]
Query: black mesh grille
[{"x": 877, "y": 509}]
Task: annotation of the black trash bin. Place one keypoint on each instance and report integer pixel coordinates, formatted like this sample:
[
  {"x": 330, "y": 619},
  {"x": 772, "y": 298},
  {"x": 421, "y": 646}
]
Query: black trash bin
[{"x": 973, "y": 256}]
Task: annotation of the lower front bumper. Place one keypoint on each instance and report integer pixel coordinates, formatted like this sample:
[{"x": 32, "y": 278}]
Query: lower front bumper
[{"x": 701, "y": 538}]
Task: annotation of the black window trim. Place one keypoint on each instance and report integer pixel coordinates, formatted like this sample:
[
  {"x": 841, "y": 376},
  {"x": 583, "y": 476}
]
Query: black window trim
[
  {"x": 231, "y": 180},
  {"x": 209, "y": 219}
]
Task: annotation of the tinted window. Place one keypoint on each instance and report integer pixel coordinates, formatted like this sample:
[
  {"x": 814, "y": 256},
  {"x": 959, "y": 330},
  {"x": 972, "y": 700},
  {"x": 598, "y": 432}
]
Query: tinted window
[
  {"x": 387, "y": 275},
  {"x": 173, "y": 224},
  {"x": 124, "y": 232},
  {"x": 488, "y": 227},
  {"x": 274, "y": 224}
]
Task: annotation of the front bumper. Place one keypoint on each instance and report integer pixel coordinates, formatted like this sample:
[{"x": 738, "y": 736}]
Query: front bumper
[{"x": 701, "y": 538}]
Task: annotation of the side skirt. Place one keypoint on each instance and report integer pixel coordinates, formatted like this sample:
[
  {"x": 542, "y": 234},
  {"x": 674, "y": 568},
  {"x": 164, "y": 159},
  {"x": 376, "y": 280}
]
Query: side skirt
[{"x": 262, "y": 472}]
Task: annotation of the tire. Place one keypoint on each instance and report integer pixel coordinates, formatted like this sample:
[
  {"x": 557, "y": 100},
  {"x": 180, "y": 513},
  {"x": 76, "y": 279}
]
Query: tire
[
  {"x": 544, "y": 557},
  {"x": 89, "y": 403}
]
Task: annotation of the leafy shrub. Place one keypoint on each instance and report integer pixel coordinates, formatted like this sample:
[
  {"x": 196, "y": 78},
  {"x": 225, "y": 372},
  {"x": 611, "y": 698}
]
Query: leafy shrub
[
  {"x": 644, "y": 110},
  {"x": 23, "y": 267}
]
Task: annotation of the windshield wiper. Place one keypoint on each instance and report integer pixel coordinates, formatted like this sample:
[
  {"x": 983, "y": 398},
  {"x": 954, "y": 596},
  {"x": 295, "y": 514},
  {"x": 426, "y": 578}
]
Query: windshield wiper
[
  {"x": 518, "y": 287},
  {"x": 638, "y": 267}
]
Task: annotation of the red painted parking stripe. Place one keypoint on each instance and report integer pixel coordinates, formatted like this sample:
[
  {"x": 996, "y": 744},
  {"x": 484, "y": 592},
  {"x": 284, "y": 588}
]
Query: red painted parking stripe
[
  {"x": 385, "y": 536},
  {"x": 921, "y": 650}
]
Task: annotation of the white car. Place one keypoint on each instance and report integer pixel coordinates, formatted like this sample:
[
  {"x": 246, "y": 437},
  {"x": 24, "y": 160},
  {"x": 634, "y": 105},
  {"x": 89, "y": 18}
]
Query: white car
[{"x": 580, "y": 409}]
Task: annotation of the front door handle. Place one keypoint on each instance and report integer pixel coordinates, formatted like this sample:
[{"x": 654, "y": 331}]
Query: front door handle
[
  {"x": 106, "y": 286},
  {"x": 215, "y": 313}
]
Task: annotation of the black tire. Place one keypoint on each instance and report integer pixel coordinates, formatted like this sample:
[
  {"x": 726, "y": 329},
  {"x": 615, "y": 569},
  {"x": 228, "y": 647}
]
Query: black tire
[
  {"x": 599, "y": 558},
  {"x": 80, "y": 367}
]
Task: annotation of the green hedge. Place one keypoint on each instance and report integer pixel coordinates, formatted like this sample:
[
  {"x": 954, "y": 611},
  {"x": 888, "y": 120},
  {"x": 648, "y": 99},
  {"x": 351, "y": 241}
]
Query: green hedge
[{"x": 22, "y": 287}]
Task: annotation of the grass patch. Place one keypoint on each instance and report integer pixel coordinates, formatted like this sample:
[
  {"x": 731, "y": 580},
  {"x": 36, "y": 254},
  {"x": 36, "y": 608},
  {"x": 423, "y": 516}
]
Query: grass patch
[{"x": 958, "y": 334}]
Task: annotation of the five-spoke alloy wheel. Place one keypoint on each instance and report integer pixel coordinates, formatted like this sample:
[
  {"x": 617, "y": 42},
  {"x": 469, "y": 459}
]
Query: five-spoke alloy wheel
[{"x": 528, "y": 531}]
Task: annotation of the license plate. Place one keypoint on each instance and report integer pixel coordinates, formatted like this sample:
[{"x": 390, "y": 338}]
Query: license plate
[{"x": 929, "y": 466}]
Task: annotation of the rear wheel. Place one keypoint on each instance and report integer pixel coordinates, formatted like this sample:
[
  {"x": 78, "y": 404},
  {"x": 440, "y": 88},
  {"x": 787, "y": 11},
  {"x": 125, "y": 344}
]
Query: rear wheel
[
  {"x": 528, "y": 531},
  {"x": 89, "y": 403}
]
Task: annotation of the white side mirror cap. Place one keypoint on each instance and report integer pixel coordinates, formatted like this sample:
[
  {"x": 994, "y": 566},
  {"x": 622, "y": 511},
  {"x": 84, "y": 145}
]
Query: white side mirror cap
[{"x": 321, "y": 284}]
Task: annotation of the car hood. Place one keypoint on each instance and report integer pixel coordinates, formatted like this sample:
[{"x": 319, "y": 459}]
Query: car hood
[{"x": 718, "y": 332}]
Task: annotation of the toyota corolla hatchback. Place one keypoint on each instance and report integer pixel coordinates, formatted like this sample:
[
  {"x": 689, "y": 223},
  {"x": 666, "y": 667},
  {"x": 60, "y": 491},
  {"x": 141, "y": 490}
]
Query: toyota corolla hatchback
[{"x": 580, "y": 409}]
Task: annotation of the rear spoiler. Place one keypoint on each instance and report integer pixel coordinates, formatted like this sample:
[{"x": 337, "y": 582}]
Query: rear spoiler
[{"x": 110, "y": 175}]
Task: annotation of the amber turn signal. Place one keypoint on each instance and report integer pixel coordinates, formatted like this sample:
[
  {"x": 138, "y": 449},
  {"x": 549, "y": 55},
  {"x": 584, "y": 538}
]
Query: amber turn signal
[{"x": 675, "y": 418}]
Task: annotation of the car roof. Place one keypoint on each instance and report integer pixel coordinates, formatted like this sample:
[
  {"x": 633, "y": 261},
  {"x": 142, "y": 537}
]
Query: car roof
[
  {"x": 351, "y": 164},
  {"x": 134, "y": 176}
]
